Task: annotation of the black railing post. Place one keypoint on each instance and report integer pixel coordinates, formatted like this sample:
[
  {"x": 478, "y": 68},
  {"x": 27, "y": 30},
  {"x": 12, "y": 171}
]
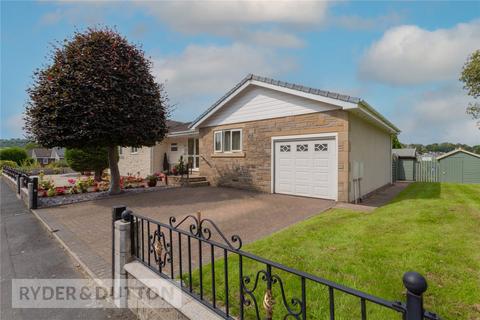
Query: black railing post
[
  {"x": 116, "y": 215},
  {"x": 416, "y": 285},
  {"x": 19, "y": 187},
  {"x": 35, "y": 193},
  {"x": 268, "y": 298}
]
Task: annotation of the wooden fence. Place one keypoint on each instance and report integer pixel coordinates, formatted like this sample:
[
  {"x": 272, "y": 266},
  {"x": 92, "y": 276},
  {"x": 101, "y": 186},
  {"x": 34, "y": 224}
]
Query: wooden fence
[{"x": 427, "y": 171}]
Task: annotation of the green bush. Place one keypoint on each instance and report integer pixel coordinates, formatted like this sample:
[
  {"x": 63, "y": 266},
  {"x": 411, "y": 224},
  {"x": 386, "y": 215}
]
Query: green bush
[
  {"x": 13, "y": 154},
  {"x": 57, "y": 164},
  {"x": 7, "y": 163},
  {"x": 88, "y": 159}
]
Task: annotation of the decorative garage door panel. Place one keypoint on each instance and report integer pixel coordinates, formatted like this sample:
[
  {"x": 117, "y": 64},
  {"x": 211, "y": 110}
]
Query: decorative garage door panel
[{"x": 306, "y": 168}]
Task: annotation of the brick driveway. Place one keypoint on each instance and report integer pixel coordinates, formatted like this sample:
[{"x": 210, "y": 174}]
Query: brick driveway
[{"x": 86, "y": 227}]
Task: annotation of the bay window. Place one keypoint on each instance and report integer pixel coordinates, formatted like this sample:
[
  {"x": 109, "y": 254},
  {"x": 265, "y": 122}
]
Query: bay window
[{"x": 228, "y": 140}]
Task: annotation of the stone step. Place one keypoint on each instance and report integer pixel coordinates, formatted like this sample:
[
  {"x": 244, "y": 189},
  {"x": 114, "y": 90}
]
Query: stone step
[
  {"x": 198, "y": 184},
  {"x": 196, "y": 179}
]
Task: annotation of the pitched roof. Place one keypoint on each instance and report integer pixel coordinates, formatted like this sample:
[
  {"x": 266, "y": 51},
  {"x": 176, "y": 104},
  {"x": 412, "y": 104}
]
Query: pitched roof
[
  {"x": 42, "y": 152},
  {"x": 405, "y": 152},
  {"x": 284, "y": 84},
  {"x": 176, "y": 126},
  {"x": 456, "y": 151},
  {"x": 59, "y": 151},
  {"x": 344, "y": 100}
]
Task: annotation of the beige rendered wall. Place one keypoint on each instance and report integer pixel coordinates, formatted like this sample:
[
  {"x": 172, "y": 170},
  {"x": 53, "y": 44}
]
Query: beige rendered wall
[
  {"x": 371, "y": 146},
  {"x": 149, "y": 160},
  {"x": 251, "y": 169},
  {"x": 173, "y": 156},
  {"x": 135, "y": 163}
]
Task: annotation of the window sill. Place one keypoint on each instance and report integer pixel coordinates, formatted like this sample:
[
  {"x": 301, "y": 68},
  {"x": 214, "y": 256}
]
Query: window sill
[{"x": 228, "y": 155}]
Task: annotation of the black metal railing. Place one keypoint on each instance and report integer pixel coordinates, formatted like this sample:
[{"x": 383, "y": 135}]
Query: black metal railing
[
  {"x": 16, "y": 175},
  {"x": 180, "y": 250}
]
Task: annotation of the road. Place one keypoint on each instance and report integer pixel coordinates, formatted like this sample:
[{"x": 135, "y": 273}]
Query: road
[{"x": 29, "y": 252}]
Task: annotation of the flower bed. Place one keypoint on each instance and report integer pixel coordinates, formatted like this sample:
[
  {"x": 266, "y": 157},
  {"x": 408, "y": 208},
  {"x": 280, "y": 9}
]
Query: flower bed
[
  {"x": 88, "y": 196},
  {"x": 86, "y": 184}
]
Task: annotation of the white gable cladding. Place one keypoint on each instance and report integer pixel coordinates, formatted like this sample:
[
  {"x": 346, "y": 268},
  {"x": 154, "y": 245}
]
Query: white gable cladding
[{"x": 257, "y": 103}]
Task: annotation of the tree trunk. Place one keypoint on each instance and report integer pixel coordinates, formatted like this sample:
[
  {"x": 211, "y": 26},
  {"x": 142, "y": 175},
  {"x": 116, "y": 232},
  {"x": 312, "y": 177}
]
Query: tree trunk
[
  {"x": 114, "y": 172},
  {"x": 98, "y": 175}
]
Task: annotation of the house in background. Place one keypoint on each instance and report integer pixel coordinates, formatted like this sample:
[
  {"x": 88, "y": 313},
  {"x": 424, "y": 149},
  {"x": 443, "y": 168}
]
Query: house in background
[
  {"x": 45, "y": 156},
  {"x": 404, "y": 163},
  {"x": 279, "y": 137}
]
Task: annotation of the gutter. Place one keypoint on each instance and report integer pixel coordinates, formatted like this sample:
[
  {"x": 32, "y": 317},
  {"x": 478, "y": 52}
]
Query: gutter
[
  {"x": 182, "y": 133},
  {"x": 374, "y": 114}
]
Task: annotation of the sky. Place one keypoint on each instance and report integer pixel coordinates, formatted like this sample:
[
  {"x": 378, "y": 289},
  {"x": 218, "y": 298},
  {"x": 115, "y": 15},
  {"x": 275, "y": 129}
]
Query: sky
[{"x": 404, "y": 58}]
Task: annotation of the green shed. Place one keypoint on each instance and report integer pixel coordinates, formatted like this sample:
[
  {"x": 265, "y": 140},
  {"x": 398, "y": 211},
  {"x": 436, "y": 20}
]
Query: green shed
[
  {"x": 459, "y": 166},
  {"x": 405, "y": 163}
]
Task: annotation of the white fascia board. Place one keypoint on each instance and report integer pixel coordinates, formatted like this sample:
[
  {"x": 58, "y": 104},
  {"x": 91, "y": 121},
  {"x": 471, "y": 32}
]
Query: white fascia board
[
  {"x": 377, "y": 120},
  {"x": 182, "y": 133},
  {"x": 331, "y": 101},
  {"x": 456, "y": 151},
  {"x": 230, "y": 97}
]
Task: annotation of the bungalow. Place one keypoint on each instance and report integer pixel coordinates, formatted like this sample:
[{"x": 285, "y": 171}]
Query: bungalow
[
  {"x": 45, "y": 156},
  {"x": 279, "y": 137}
]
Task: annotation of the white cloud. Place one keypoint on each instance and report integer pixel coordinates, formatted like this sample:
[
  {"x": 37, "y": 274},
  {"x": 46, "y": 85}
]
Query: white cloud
[
  {"x": 263, "y": 23},
  {"x": 438, "y": 116},
  {"x": 411, "y": 55},
  {"x": 355, "y": 23},
  {"x": 224, "y": 16},
  {"x": 212, "y": 70}
]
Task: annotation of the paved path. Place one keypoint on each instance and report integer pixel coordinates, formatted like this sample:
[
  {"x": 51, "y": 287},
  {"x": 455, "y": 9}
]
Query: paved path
[
  {"x": 86, "y": 227},
  {"x": 27, "y": 251},
  {"x": 378, "y": 198}
]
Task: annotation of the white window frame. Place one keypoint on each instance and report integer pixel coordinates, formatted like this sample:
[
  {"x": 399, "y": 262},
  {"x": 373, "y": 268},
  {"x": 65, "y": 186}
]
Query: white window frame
[
  {"x": 173, "y": 145},
  {"x": 215, "y": 141},
  {"x": 222, "y": 134},
  {"x": 133, "y": 150},
  {"x": 120, "y": 150}
]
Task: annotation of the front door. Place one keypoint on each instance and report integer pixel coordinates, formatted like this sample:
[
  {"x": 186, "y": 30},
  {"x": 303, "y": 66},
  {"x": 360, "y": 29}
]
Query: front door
[{"x": 193, "y": 154}]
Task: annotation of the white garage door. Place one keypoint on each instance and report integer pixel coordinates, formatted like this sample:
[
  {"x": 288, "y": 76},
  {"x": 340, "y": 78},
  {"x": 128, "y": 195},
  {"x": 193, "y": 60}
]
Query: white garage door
[{"x": 306, "y": 168}]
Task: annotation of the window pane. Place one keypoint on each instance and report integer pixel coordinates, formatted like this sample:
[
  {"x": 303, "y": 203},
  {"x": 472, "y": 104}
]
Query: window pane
[
  {"x": 226, "y": 141},
  {"x": 197, "y": 162},
  {"x": 236, "y": 140},
  {"x": 218, "y": 141},
  {"x": 196, "y": 146},
  {"x": 190, "y": 145}
]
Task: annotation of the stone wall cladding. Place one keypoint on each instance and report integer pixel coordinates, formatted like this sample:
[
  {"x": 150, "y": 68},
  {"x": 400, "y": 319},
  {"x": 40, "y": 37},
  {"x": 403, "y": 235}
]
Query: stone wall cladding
[{"x": 252, "y": 168}]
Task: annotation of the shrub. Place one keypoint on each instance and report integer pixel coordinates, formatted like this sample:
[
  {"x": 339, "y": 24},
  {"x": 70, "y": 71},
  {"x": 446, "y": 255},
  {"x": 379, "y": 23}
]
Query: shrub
[
  {"x": 88, "y": 159},
  {"x": 152, "y": 180},
  {"x": 180, "y": 167},
  {"x": 51, "y": 192},
  {"x": 15, "y": 154},
  {"x": 45, "y": 184},
  {"x": 7, "y": 163},
  {"x": 58, "y": 164}
]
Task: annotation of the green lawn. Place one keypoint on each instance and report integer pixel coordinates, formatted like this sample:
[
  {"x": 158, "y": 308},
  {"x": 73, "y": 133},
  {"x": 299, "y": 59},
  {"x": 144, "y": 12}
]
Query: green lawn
[{"x": 430, "y": 228}]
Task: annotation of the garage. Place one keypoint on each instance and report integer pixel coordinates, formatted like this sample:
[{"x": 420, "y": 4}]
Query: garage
[{"x": 305, "y": 167}]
